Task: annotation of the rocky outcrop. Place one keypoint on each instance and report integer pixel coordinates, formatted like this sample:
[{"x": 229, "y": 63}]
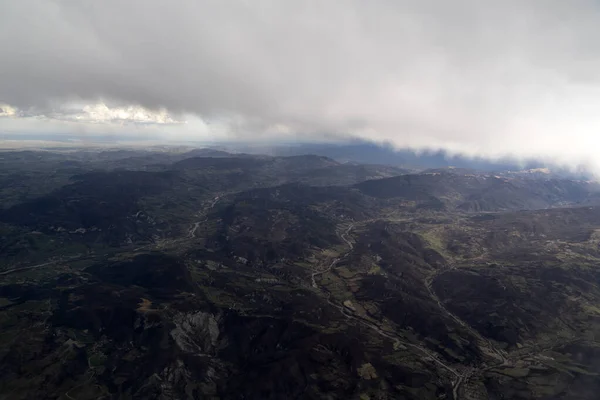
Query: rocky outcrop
[{"x": 196, "y": 332}]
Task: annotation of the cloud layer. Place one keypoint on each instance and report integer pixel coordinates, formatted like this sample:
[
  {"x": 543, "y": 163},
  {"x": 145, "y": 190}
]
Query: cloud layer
[{"x": 512, "y": 77}]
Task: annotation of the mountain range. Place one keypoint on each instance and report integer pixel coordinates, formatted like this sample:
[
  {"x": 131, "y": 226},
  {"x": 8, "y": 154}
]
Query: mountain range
[{"x": 206, "y": 274}]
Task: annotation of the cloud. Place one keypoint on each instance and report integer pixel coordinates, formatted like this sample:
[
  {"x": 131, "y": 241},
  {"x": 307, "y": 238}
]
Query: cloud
[
  {"x": 512, "y": 77},
  {"x": 7, "y": 111},
  {"x": 98, "y": 113},
  {"x": 101, "y": 113}
]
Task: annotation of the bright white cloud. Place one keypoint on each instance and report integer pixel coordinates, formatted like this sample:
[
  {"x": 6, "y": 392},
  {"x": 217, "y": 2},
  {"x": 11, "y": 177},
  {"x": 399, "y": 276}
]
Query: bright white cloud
[
  {"x": 7, "y": 110},
  {"x": 101, "y": 113},
  {"x": 98, "y": 113}
]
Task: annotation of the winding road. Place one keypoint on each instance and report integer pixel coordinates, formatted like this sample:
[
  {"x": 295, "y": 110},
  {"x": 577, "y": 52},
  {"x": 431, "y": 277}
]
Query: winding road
[
  {"x": 336, "y": 260},
  {"x": 191, "y": 234},
  {"x": 59, "y": 260},
  {"x": 349, "y": 314},
  {"x": 428, "y": 284},
  {"x": 195, "y": 225}
]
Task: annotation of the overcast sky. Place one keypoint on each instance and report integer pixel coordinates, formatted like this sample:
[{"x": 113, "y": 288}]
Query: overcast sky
[{"x": 481, "y": 77}]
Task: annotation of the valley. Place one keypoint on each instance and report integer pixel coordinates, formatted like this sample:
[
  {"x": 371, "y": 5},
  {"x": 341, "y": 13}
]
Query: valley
[{"x": 218, "y": 275}]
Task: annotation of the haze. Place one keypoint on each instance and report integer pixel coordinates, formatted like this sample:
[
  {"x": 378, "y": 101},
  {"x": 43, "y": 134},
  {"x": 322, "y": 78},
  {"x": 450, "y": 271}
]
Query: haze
[{"x": 479, "y": 78}]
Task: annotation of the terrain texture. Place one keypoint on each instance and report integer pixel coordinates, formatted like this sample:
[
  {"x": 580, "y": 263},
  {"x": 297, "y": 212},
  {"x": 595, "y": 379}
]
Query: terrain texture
[{"x": 208, "y": 275}]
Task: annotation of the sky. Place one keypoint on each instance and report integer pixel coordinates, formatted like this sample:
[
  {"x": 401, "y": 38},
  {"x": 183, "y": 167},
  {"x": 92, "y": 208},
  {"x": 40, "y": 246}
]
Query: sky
[{"x": 518, "y": 77}]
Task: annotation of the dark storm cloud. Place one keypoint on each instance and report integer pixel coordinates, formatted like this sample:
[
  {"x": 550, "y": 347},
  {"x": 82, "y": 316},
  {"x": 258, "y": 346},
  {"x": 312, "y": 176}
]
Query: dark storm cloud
[{"x": 518, "y": 77}]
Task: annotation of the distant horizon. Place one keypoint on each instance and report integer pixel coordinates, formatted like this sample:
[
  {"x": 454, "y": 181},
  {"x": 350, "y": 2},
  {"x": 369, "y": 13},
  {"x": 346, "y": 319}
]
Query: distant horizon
[{"x": 349, "y": 150}]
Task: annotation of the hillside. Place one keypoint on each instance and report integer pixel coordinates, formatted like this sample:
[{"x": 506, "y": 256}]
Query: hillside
[
  {"x": 481, "y": 192},
  {"x": 218, "y": 276}
]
